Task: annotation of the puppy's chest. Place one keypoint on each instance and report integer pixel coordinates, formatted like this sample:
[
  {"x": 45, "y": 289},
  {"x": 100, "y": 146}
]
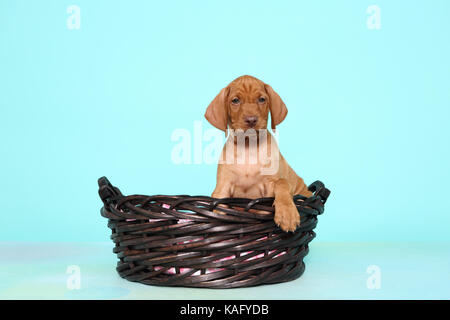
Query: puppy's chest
[{"x": 246, "y": 176}]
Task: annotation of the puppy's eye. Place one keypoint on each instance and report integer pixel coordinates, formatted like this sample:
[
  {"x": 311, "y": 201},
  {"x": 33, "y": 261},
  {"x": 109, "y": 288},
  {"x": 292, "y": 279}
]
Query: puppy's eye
[
  {"x": 262, "y": 100},
  {"x": 235, "y": 101}
]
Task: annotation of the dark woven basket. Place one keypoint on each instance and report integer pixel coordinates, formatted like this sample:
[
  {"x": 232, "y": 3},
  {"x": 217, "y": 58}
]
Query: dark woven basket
[{"x": 183, "y": 241}]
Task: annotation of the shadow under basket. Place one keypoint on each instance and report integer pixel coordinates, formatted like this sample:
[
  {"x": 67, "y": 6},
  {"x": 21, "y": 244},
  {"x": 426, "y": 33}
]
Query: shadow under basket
[{"x": 184, "y": 241}]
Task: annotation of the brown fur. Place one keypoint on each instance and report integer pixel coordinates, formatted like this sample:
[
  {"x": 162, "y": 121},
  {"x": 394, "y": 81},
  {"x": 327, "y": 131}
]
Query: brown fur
[{"x": 243, "y": 99}]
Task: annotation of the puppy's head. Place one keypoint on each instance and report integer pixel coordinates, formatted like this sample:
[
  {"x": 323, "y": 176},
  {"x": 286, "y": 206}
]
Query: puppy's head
[{"x": 245, "y": 104}]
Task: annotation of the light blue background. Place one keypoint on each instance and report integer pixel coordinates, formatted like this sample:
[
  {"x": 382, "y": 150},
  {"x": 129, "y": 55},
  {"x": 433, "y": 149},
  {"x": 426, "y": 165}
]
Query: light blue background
[{"x": 368, "y": 109}]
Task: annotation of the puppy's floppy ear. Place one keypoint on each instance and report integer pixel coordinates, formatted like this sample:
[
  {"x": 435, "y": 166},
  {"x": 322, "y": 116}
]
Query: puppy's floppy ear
[
  {"x": 217, "y": 113},
  {"x": 278, "y": 110}
]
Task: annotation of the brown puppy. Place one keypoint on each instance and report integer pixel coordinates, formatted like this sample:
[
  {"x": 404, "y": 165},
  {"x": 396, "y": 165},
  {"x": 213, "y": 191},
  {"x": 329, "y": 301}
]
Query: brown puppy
[{"x": 251, "y": 165}]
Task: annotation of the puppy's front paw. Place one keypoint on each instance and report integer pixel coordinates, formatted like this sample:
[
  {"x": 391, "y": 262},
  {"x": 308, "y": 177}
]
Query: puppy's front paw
[{"x": 286, "y": 215}]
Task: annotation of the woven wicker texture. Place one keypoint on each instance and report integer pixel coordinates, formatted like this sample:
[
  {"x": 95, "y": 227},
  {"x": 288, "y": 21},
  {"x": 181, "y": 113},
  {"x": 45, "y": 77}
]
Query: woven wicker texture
[{"x": 198, "y": 241}]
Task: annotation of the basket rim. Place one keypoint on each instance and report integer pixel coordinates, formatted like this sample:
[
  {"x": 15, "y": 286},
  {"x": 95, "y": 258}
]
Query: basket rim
[{"x": 138, "y": 206}]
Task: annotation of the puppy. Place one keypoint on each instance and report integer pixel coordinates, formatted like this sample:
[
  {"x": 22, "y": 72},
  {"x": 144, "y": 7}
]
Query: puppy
[{"x": 251, "y": 165}]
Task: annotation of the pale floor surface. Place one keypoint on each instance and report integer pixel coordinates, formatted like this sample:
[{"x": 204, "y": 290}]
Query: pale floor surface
[{"x": 333, "y": 271}]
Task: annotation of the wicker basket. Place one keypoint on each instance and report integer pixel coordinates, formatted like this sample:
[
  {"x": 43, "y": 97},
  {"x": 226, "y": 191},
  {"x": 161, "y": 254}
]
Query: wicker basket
[{"x": 183, "y": 241}]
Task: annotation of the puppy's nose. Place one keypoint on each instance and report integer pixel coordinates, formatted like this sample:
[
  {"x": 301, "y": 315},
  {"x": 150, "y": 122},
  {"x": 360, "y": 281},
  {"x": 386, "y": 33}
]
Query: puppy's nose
[{"x": 251, "y": 121}]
